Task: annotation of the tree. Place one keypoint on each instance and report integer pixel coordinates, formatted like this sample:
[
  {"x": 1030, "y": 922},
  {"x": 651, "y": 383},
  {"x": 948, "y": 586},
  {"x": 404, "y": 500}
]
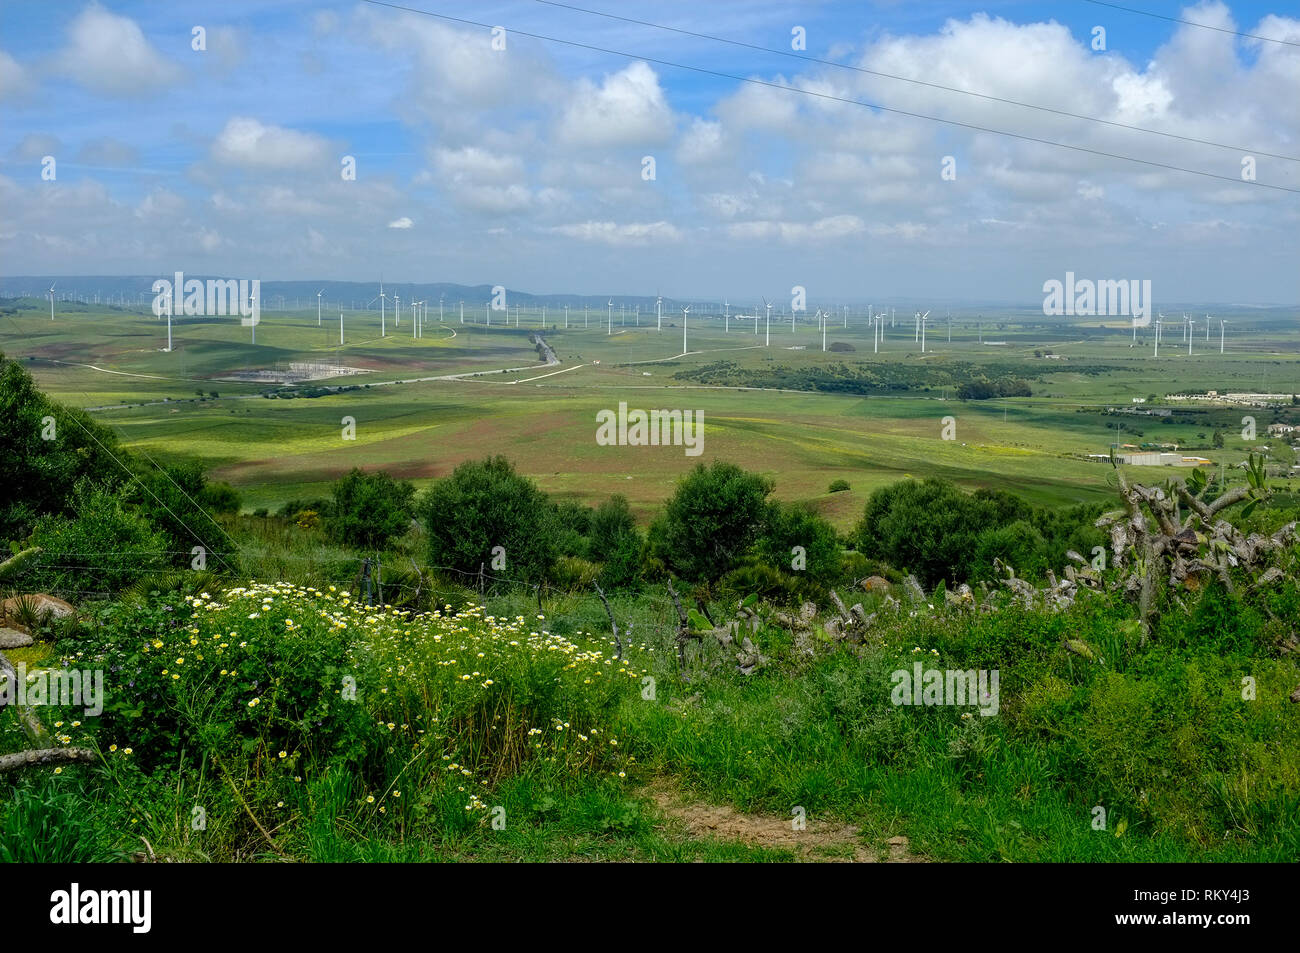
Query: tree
[
  {"x": 1217, "y": 440},
  {"x": 101, "y": 547},
  {"x": 711, "y": 521},
  {"x": 47, "y": 450},
  {"x": 616, "y": 542},
  {"x": 370, "y": 509},
  {"x": 929, "y": 527},
  {"x": 178, "y": 501},
  {"x": 486, "y": 513},
  {"x": 791, "y": 525}
]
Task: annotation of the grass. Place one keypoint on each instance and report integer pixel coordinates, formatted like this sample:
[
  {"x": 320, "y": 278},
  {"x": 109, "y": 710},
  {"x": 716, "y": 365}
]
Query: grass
[{"x": 273, "y": 450}]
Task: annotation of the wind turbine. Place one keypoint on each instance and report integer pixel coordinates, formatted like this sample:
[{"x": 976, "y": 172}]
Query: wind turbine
[
  {"x": 383, "y": 330},
  {"x": 686, "y": 309},
  {"x": 923, "y": 318},
  {"x": 1221, "y": 323},
  {"x": 1158, "y": 323},
  {"x": 440, "y": 297},
  {"x": 768, "y": 339},
  {"x": 51, "y": 294},
  {"x": 341, "y": 320},
  {"x": 659, "y": 313},
  {"x": 726, "y": 316},
  {"x": 318, "y": 294},
  {"x": 397, "y": 309},
  {"x": 611, "y": 317},
  {"x": 566, "y": 317},
  {"x": 1191, "y": 330},
  {"x": 169, "y": 321}
]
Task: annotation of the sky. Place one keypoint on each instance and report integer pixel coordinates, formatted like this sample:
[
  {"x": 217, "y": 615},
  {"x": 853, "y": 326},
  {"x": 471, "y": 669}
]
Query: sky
[{"x": 772, "y": 167}]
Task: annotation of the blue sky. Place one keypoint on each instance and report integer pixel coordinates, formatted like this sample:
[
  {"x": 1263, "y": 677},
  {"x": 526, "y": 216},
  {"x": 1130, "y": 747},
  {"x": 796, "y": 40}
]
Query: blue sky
[{"x": 523, "y": 167}]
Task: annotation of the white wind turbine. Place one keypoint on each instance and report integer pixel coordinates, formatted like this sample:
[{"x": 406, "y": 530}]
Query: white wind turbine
[
  {"x": 318, "y": 294},
  {"x": 566, "y": 317},
  {"x": 686, "y": 309},
  {"x": 659, "y": 313},
  {"x": 397, "y": 309},
  {"x": 768, "y": 339},
  {"x": 1191, "y": 331},
  {"x": 611, "y": 317},
  {"x": 1156, "y": 353},
  {"x": 169, "y": 321},
  {"x": 923, "y": 319},
  {"x": 1221, "y": 323},
  {"x": 51, "y": 294},
  {"x": 383, "y": 330},
  {"x": 726, "y": 316}
]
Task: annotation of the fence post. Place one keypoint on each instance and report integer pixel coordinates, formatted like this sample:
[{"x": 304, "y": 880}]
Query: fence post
[{"x": 365, "y": 581}]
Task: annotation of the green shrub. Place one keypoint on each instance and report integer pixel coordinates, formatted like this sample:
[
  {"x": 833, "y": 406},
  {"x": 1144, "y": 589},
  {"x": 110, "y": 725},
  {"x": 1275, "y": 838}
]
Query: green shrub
[
  {"x": 100, "y": 548},
  {"x": 711, "y": 521},
  {"x": 369, "y": 509},
  {"x": 484, "y": 505}
]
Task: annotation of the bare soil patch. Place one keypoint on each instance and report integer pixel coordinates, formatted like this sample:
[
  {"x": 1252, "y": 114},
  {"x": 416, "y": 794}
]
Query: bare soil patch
[{"x": 819, "y": 841}]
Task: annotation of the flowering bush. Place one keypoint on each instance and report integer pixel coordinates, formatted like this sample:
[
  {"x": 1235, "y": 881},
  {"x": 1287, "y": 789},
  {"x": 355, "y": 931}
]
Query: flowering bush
[{"x": 277, "y": 682}]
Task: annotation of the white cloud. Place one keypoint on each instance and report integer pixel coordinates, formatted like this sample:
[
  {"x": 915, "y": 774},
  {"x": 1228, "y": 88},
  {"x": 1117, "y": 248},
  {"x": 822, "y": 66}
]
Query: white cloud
[
  {"x": 611, "y": 233},
  {"x": 247, "y": 142},
  {"x": 109, "y": 54},
  {"x": 826, "y": 229},
  {"x": 14, "y": 82},
  {"x": 627, "y": 108},
  {"x": 402, "y": 222}
]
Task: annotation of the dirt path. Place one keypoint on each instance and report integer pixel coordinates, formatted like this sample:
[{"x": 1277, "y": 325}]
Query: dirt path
[{"x": 819, "y": 841}]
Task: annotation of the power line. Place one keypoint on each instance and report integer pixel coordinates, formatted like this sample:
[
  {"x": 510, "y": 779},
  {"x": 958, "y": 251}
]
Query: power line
[
  {"x": 1203, "y": 26},
  {"x": 842, "y": 99},
  {"x": 918, "y": 82}
]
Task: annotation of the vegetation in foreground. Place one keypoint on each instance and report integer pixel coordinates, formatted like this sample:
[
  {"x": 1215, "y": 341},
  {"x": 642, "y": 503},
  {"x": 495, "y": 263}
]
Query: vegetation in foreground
[{"x": 257, "y": 720}]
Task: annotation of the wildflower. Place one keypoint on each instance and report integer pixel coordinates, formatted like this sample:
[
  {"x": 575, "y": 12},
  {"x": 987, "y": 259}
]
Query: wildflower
[
  {"x": 112, "y": 747},
  {"x": 370, "y": 799},
  {"x": 126, "y": 751},
  {"x": 254, "y": 703},
  {"x": 284, "y": 754},
  {"x": 58, "y": 770}
]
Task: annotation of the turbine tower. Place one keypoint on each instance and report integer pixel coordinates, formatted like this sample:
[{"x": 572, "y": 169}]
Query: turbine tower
[
  {"x": 51, "y": 294},
  {"x": 318, "y": 294},
  {"x": 686, "y": 309},
  {"x": 383, "y": 330}
]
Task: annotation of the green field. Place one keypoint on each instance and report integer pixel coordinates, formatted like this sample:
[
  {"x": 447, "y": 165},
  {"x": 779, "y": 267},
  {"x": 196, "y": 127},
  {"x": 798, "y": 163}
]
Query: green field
[{"x": 417, "y": 426}]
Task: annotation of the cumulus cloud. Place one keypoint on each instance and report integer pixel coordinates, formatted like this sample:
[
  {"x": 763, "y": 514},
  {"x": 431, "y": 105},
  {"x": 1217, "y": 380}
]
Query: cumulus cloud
[
  {"x": 247, "y": 142},
  {"x": 403, "y": 222},
  {"x": 110, "y": 55},
  {"x": 627, "y": 108}
]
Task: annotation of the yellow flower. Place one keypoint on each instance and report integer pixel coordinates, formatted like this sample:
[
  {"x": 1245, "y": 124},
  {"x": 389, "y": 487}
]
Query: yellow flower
[
  {"x": 58, "y": 770},
  {"x": 112, "y": 747},
  {"x": 126, "y": 751},
  {"x": 370, "y": 799},
  {"x": 284, "y": 754}
]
